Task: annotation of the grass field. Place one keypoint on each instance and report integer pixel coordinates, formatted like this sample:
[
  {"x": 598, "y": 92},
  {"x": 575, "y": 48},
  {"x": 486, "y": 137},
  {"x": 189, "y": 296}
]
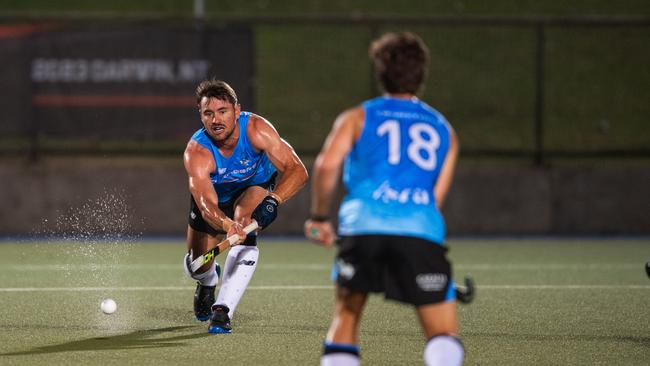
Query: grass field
[{"x": 539, "y": 302}]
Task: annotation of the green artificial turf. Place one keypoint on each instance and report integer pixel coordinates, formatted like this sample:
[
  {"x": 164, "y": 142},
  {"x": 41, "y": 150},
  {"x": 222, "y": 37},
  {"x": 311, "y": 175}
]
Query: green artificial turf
[{"x": 539, "y": 302}]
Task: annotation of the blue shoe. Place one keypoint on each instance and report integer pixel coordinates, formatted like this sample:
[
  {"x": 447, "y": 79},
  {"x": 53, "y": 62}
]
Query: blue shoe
[{"x": 220, "y": 321}]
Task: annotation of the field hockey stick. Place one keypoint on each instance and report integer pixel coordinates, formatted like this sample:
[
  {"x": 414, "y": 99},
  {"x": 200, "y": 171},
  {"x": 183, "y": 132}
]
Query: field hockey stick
[
  {"x": 219, "y": 248},
  {"x": 466, "y": 294}
]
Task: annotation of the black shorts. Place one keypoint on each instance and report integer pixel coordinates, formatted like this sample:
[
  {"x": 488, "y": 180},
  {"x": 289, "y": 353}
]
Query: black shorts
[
  {"x": 406, "y": 269},
  {"x": 196, "y": 221}
]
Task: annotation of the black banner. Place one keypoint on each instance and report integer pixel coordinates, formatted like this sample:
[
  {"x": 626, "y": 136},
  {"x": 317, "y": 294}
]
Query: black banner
[{"x": 134, "y": 82}]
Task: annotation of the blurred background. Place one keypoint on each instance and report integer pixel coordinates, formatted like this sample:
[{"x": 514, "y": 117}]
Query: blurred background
[{"x": 551, "y": 102}]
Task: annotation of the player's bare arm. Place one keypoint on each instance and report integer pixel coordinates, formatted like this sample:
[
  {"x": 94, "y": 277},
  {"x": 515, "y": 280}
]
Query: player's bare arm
[
  {"x": 199, "y": 163},
  {"x": 447, "y": 172},
  {"x": 292, "y": 172},
  {"x": 327, "y": 169}
]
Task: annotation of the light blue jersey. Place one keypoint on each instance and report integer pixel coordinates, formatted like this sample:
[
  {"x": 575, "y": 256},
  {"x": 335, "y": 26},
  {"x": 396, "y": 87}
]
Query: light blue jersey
[
  {"x": 392, "y": 170},
  {"x": 244, "y": 168}
]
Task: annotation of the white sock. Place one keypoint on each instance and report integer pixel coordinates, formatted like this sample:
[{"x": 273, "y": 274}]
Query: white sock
[
  {"x": 207, "y": 278},
  {"x": 339, "y": 359},
  {"x": 443, "y": 350},
  {"x": 237, "y": 273}
]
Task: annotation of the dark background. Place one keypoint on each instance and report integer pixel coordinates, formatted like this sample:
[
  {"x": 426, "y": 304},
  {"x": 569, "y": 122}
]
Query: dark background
[{"x": 550, "y": 102}]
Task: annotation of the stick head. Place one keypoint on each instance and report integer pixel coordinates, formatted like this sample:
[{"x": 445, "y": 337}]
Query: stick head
[{"x": 466, "y": 294}]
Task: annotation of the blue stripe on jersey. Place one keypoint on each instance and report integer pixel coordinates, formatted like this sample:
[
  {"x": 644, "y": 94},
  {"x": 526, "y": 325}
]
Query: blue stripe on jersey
[
  {"x": 391, "y": 171},
  {"x": 244, "y": 168}
]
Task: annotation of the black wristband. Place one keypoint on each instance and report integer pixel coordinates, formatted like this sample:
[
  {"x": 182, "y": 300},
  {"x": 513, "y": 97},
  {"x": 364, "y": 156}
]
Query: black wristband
[
  {"x": 266, "y": 212},
  {"x": 319, "y": 218},
  {"x": 272, "y": 198}
]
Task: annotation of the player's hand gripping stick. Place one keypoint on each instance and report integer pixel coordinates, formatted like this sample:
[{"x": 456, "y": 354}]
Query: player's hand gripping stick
[{"x": 219, "y": 248}]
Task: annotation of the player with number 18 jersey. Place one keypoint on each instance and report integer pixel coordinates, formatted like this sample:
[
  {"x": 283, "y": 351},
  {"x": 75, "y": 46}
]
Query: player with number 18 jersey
[
  {"x": 390, "y": 171},
  {"x": 398, "y": 156}
]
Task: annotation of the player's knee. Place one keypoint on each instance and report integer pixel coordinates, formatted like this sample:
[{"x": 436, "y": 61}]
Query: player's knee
[
  {"x": 244, "y": 253},
  {"x": 250, "y": 255},
  {"x": 444, "y": 349}
]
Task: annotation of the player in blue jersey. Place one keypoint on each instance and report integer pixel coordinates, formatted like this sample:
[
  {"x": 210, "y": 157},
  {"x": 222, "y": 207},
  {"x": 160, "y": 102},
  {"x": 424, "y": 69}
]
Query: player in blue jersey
[
  {"x": 239, "y": 169},
  {"x": 398, "y": 156}
]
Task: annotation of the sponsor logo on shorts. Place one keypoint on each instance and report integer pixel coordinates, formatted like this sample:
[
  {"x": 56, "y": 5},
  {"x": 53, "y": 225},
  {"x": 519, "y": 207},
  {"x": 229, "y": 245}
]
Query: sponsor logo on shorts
[
  {"x": 192, "y": 215},
  {"x": 346, "y": 270},
  {"x": 431, "y": 281}
]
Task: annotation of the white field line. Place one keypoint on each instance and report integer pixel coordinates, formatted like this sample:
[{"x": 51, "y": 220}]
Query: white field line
[
  {"x": 550, "y": 266},
  {"x": 148, "y": 266},
  {"x": 316, "y": 287},
  {"x": 153, "y": 288},
  {"x": 325, "y": 267}
]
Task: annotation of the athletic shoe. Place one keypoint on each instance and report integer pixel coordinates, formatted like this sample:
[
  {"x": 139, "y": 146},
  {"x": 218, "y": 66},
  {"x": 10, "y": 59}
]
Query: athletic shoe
[
  {"x": 220, "y": 321},
  {"x": 203, "y": 300}
]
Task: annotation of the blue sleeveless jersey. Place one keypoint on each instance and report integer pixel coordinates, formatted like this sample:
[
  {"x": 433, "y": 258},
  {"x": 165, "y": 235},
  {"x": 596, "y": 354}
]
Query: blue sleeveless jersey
[
  {"x": 244, "y": 168},
  {"x": 392, "y": 169}
]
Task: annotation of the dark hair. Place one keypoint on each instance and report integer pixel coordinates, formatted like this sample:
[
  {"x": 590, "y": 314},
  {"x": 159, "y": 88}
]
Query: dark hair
[
  {"x": 401, "y": 61},
  {"x": 214, "y": 88}
]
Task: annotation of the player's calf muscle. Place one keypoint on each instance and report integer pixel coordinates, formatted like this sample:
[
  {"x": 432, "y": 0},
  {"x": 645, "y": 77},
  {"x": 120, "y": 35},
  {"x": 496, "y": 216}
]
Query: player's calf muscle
[{"x": 438, "y": 318}]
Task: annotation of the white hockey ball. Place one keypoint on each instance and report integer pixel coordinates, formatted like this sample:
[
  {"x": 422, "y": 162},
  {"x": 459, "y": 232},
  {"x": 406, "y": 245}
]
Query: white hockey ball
[{"x": 108, "y": 306}]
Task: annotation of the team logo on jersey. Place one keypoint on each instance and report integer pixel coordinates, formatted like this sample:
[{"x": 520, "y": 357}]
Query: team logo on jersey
[
  {"x": 346, "y": 270},
  {"x": 431, "y": 281},
  {"x": 244, "y": 161}
]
